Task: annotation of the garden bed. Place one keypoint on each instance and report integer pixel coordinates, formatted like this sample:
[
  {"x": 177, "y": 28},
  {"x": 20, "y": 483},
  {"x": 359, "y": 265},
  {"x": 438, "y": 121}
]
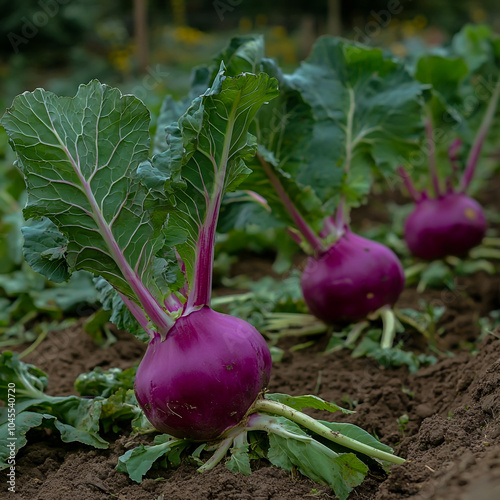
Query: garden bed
[
  {"x": 451, "y": 439},
  {"x": 444, "y": 418}
]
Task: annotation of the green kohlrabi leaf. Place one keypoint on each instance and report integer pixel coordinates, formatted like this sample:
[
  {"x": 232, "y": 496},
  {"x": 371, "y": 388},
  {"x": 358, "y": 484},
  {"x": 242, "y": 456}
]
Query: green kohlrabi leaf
[
  {"x": 22, "y": 387},
  {"x": 11, "y": 254},
  {"x": 243, "y": 54},
  {"x": 290, "y": 446},
  {"x": 462, "y": 84},
  {"x": 368, "y": 113},
  {"x": 239, "y": 57},
  {"x": 79, "y": 157},
  {"x": 14, "y": 436},
  {"x": 474, "y": 44},
  {"x": 170, "y": 112},
  {"x": 104, "y": 383},
  {"x": 308, "y": 401},
  {"x": 77, "y": 419},
  {"x": 45, "y": 248},
  {"x": 121, "y": 315},
  {"x": 206, "y": 158},
  {"x": 478, "y": 46},
  {"x": 444, "y": 74},
  {"x": 29, "y": 381},
  {"x": 240, "y": 458},
  {"x": 120, "y": 407},
  {"x": 283, "y": 130},
  {"x": 138, "y": 461}
]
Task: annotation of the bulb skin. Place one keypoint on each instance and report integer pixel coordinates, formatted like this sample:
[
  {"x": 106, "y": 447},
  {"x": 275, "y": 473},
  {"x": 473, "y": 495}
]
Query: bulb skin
[
  {"x": 353, "y": 278},
  {"x": 202, "y": 379},
  {"x": 448, "y": 225}
]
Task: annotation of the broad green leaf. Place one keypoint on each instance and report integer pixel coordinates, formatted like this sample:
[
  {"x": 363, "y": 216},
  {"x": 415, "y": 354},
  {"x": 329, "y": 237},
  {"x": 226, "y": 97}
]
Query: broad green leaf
[
  {"x": 170, "y": 112},
  {"x": 240, "y": 459},
  {"x": 462, "y": 83},
  {"x": 11, "y": 244},
  {"x": 208, "y": 149},
  {"x": 79, "y": 156},
  {"x": 445, "y": 74},
  {"x": 309, "y": 401},
  {"x": 29, "y": 380},
  {"x": 473, "y": 44},
  {"x": 283, "y": 130},
  {"x": 45, "y": 248},
  {"x": 19, "y": 282},
  {"x": 104, "y": 383},
  {"x": 14, "y": 438},
  {"x": 67, "y": 296},
  {"x": 120, "y": 314},
  {"x": 122, "y": 407},
  {"x": 368, "y": 117},
  {"x": 478, "y": 46},
  {"x": 290, "y": 446},
  {"x": 138, "y": 461},
  {"x": 243, "y": 54},
  {"x": 77, "y": 419},
  {"x": 354, "y": 432},
  {"x": 26, "y": 420},
  {"x": 239, "y": 57}
]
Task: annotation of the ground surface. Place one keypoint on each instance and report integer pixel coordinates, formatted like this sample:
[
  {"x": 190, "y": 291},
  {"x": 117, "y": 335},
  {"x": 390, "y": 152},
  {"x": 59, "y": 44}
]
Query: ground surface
[{"x": 451, "y": 440}]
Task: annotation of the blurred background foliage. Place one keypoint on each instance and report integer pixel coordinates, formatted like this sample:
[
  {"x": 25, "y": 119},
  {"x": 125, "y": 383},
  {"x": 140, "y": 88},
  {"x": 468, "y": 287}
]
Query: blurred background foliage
[
  {"x": 148, "y": 48},
  {"x": 61, "y": 43}
]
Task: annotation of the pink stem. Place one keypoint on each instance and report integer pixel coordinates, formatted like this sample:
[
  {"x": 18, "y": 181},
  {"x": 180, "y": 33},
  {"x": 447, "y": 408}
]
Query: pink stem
[
  {"x": 453, "y": 157},
  {"x": 415, "y": 195},
  {"x": 138, "y": 314},
  {"x": 453, "y": 154},
  {"x": 475, "y": 151},
  {"x": 295, "y": 237},
  {"x": 340, "y": 221},
  {"x": 172, "y": 303},
  {"x": 432, "y": 156},
  {"x": 302, "y": 225},
  {"x": 185, "y": 289},
  {"x": 201, "y": 290},
  {"x": 258, "y": 199}
]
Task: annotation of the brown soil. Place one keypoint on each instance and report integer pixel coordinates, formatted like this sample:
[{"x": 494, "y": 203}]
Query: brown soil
[{"x": 452, "y": 438}]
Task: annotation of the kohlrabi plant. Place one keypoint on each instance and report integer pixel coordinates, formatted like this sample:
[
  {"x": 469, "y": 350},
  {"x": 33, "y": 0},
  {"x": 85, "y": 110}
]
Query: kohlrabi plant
[
  {"x": 147, "y": 228},
  {"x": 461, "y": 109},
  {"x": 366, "y": 111},
  {"x": 345, "y": 117}
]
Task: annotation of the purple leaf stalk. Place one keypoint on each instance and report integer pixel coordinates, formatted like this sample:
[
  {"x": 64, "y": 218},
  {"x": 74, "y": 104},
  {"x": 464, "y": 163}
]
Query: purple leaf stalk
[
  {"x": 451, "y": 222},
  {"x": 347, "y": 277}
]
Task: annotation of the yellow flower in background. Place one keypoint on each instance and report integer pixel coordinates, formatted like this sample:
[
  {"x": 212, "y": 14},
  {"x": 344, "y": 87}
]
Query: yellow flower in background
[
  {"x": 187, "y": 35},
  {"x": 121, "y": 58},
  {"x": 280, "y": 45},
  {"x": 478, "y": 14},
  {"x": 260, "y": 20},
  {"x": 245, "y": 24},
  {"x": 420, "y": 22},
  {"x": 408, "y": 29},
  {"x": 398, "y": 49},
  {"x": 279, "y": 32}
]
